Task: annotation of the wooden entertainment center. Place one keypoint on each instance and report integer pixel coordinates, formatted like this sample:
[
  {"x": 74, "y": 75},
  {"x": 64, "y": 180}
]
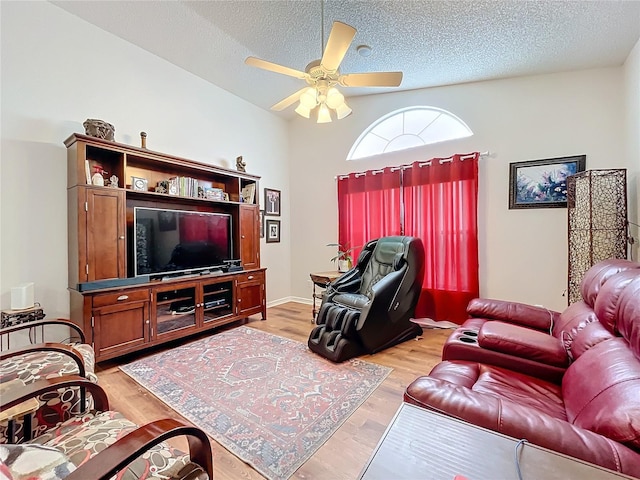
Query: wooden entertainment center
[{"x": 119, "y": 312}]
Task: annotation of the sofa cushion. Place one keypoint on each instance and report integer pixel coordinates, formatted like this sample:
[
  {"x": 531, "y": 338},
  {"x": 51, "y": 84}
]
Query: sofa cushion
[
  {"x": 599, "y": 273},
  {"x": 500, "y": 383},
  {"x": 37, "y": 365},
  {"x": 522, "y": 342},
  {"x": 606, "y": 304},
  {"x": 584, "y": 336},
  {"x": 82, "y": 437},
  {"x": 600, "y": 392},
  {"x": 628, "y": 322},
  {"x": 33, "y": 462}
]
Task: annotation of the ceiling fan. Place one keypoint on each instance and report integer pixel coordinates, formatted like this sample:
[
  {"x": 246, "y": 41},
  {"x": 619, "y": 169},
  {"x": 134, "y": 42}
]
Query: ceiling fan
[{"x": 322, "y": 77}]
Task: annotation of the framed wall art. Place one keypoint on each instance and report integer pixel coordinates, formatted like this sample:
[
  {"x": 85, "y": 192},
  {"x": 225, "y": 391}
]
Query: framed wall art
[
  {"x": 273, "y": 231},
  {"x": 271, "y": 202},
  {"x": 542, "y": 183}
]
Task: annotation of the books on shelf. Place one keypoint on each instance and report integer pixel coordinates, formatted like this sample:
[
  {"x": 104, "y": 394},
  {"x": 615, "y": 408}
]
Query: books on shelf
[{"x": 183, "y": 186}]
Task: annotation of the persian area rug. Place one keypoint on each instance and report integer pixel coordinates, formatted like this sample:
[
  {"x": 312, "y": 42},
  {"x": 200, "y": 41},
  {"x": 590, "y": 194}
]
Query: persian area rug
[{"x": 267, "y": 399}]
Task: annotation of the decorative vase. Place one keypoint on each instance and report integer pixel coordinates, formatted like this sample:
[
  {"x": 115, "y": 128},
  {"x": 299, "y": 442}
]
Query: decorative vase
[
  {"x": 344, "y": 265},
  {"x": 97, "y": 179}
]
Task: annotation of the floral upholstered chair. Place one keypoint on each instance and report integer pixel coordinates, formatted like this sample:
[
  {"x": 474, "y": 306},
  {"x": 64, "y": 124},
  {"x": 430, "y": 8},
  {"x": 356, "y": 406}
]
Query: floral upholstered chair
[
  {"x": 100, "y": 443},
  {"x": 27, "y": 364}
]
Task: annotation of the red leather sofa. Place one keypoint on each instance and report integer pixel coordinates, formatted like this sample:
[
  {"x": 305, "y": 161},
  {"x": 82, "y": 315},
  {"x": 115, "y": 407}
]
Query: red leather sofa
[
  {"x": 592, "y": 414},
  {"x": 531, "y": 339}
]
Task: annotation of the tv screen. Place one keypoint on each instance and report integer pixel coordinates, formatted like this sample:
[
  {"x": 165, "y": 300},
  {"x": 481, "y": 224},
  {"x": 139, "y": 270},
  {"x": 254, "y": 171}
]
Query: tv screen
[{"x": 172, "y": 241}]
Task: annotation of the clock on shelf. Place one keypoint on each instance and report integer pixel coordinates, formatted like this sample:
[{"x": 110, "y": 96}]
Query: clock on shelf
[{"x": 139, "y": 183}]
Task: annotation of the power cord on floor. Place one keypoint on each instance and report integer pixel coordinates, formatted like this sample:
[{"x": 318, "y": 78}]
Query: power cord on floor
[{"x": 517, "y": 458}]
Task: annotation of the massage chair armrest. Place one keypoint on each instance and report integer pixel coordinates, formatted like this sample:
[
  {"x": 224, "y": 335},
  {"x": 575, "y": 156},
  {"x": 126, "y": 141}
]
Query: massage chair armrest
[
  {"x": 42, "y": 323},
  {"x": 520, "y": 421},
  {"x": 530, "y": 316},
  {"x": 523, "y": 343},
  {"x": 347, "y": 283},
  {"x": 17, "y": 395},
  {"x": 68, "y": 350},
  {"x": 118, "y": 455}
]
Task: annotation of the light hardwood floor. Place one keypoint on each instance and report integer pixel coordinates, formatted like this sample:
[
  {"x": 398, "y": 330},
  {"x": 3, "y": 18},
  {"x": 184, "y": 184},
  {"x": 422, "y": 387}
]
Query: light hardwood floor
[{"x": 344, "y": 455}]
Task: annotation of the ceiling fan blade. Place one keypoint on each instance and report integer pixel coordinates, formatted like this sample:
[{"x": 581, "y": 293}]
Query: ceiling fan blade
[
  {"x": 338, "y": 43},
  {"x": 274, "y": 67},
  {"x": 290, "y": 100},
  {"x": 373, "y": 79}
]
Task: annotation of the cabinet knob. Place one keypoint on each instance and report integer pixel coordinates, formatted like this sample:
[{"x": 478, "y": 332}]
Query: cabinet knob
[
  {"x": 241, "y": 236},
  {"x": 239, "y": 300},
  {"x": 147, "y": 322},
  {"x": 122, "y": 297},
  {"x": 121, "y": 237},
  {"x": 250, "y": 277}
]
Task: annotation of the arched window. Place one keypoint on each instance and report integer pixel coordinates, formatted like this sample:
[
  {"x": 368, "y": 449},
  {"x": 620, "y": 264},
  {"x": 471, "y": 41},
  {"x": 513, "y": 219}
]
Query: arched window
[{"x": 408, "y": 128}]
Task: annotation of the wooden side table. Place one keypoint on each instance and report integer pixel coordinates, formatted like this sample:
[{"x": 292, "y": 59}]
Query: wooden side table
[
  {"x": 24, "y": 409},
  {"x": 321, "y": 280},
  {"x": 421, "y": 443}
]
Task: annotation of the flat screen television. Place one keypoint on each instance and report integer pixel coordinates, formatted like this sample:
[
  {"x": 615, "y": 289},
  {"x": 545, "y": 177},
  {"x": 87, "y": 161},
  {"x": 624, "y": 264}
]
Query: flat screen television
[{"x": 179, "y": 241}]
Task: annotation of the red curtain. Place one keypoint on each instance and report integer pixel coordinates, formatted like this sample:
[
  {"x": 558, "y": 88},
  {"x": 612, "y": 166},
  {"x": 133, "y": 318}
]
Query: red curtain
[
  {"x": 435, "y": 201},
  {"x": 440, "y": 201},
  {"x": 369, "y": 207}
]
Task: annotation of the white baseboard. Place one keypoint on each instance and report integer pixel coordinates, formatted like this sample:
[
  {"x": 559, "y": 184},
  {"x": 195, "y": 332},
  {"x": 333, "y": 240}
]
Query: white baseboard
[{"x": 280, "y": 301}]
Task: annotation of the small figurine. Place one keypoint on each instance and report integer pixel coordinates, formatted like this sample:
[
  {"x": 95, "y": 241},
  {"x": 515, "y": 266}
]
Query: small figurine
[
  {"x": 240, "y": 165},
  {"x": 113, "y": 181},
  {"x": 143, "y": 139}
]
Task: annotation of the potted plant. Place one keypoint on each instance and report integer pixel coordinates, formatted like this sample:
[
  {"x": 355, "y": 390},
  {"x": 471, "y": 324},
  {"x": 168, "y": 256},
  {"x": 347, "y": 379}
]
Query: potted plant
[{"x": 345, "y": 261}]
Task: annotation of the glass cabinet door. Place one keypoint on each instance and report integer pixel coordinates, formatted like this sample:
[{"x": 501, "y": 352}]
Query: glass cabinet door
[
  {"x": 175, "y": 309},
  {"x": 217, "y": 301}
]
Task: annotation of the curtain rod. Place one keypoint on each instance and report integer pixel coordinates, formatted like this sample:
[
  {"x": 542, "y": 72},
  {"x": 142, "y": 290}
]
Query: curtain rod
[{"x": 404, "y": 167}]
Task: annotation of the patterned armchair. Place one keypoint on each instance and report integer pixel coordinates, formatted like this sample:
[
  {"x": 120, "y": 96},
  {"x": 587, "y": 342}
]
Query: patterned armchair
[
  {"x": 368, "y": 308},
  {"x": 100, "y": 443},
  {"x": 27, "y": 364}
]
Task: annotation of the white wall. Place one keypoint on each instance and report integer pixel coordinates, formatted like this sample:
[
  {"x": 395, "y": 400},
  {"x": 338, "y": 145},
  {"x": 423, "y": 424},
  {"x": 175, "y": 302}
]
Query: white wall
[
  {"x": 523, "y": 253},
  {"x": 57, "y": 71},
  {"x": 632, "y": 102}
]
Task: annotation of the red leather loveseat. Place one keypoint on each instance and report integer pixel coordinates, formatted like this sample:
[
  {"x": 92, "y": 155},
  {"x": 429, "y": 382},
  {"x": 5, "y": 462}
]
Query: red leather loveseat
[
  {"x": 532, "y": 339},
  {"x": 593, "y": 413}
]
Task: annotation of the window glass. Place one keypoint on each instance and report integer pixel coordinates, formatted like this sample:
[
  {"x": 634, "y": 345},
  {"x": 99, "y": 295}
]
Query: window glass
[{"x": 408, "y": 128}]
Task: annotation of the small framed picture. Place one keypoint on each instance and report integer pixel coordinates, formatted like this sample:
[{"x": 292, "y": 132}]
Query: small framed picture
[
  {"x": 261, "y": 223},
  {"x": 248, "y": 193},
  {"x": 542, "y": 183},
  {"x": 273, "y": 231},
  {"x": 139, "y": 183},
  {"x": 271, "y": 202}
]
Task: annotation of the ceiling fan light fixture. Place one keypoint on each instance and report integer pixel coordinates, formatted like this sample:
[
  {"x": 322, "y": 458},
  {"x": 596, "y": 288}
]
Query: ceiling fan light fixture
[
  {"x": 303, "y": 110},
  {"x": 309, "y": 98},
  {"x": 342, "y": 111},
  {"x": 334, "y": 98},
  {"x": 324, "y": 115}
]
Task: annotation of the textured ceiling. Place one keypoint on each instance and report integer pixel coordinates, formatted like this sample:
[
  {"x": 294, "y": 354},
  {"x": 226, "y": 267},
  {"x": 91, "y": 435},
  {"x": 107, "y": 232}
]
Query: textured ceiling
[{"x": 433, "y": 42}]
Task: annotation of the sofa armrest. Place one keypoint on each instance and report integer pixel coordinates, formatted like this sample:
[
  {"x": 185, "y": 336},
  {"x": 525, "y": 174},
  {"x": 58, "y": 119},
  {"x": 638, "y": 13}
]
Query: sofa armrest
[
  {"x": 16, "y": 396},
  {"x": 523, "y": 342},
  {"x": 118, "y": 455},
  {"x": 530, "y": 316},
  {"x": 519, "y": 421},
  {"x": 68, "y": 350}
]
